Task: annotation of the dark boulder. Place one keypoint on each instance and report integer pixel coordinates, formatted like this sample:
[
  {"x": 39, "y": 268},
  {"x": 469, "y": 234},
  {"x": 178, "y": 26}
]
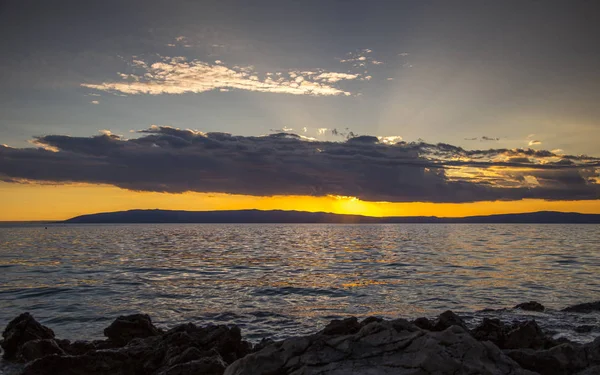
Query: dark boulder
[
  {"x": 262, "y": 344},
  {"x": 423, "y": 323},
  {"x": 20, "y": 330},
  {"x": 206, "y": 366},
  {"x": 560, "y": 360},
  {"x": 35, "y": 349},
  {"x": 491, "y": 330},
  {"x": 584, "y": 307},
  {"x": 527, "y": 335},
  {"x": 185, "y": 349},
  {"x": 448, "y": 319},
  {"x": 126, "y": 328},
  {"x": 584, "y": 328},
  {"x": 342, "y": 327},
  {"x": 94, "y": 363},
  {"x": 531, "y": 306}
]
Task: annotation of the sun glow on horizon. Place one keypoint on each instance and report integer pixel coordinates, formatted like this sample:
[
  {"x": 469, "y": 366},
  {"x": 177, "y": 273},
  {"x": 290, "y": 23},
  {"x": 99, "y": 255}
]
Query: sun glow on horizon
[{"x": 25, "y": 202}]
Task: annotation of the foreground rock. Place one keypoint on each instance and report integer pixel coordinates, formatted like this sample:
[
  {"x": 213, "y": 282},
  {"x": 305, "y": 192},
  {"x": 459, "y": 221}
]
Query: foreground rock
[
  {"x": 584, "y": 307},
  {"x": 380, "y": 348},
  {"x": 134, "y": 346},
  {"x": 531, "y": 306},
  {"x": 560, "y": 360},
  {"x": 19, "y": 331},
  {"x": 443, "y": 345}
]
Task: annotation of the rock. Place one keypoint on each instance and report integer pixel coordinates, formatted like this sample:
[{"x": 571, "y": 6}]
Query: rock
[
  {"x": 531, "y": 306},
  {"x": 126, "y": 328},
  {"x": 527, "y": 335},
  {"x": 595, "y": 370},
  {"x": 592, "y": 351},
  {"x": 448, "y": 319},
  {"x": 205, "y": 366},
  {"x": 584, "y": 329},
  {"x": 378, "y": 348},
  {"x": 369, "y": 320},
  {"x": 559, "y": 360},
  {"x": 20, "y": 330},
  {"x": 262, "y": 344},
  {"x": 423, "y": 323},
  {"x": 107, "y": 362},
  {"x": 491, "y": 330},
  {"x": 35, "y": 349},
  {"x": 342, "y": 327},
  {"x": 584, "y": 307},
  {"x": 185, "y": 349}
]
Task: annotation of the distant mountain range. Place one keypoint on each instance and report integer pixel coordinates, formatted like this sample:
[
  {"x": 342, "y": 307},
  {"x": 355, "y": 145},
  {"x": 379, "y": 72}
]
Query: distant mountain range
[{"x": 277, "y": 216}]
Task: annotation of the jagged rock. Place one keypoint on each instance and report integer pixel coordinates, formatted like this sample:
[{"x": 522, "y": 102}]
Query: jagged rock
[
  {"x": 423, "y": 323},
  {"x": 584, "y": 307},
  {"x": 491, "y": 330},
  {"x": 595, "y": 370},
  {"x": 378, "y": 348},
  {"x": 20, "y": 330},
  {"x": 35, "y": 349},
  {"x": 531, "y": 306},
  {"x": 104, "y": 362},
  {"x": 448, "y": 319},
  {"x": 185, "y": 349},
  {"x": 342, "y": 327},
  {"x": 527, "y": 335},
  {"x": 584, "y": 329},
  {"x": 126, "y": 328},
  {"x": 559, "y": 360},
  {"x": 205, "y": 366},
  {"x": 262, "y": 344}
]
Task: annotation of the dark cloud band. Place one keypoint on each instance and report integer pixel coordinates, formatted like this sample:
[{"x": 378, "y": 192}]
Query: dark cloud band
[{"x": 166, "y": 159}]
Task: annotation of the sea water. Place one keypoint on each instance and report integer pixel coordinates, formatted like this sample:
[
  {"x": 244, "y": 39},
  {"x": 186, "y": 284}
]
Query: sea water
[{"x": 281, "y": 280}]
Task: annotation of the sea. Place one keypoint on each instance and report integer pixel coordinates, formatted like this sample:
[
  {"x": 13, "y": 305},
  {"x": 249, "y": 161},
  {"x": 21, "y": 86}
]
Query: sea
[{"x": 282, "y": 280}]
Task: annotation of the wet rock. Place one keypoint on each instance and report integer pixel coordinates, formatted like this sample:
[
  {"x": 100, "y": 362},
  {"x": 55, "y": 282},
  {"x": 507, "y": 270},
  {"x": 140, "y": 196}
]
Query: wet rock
[
  {"x": 378, "y": 348},
  {"x": 584, "y": 307},
  {"x": 403, "y": 325},
  {"x": 491, "y": 330},
  {"x": 342, "y": 327},
  {"x": 527, "y": 335},
  {"x": 531, "y": 306},
  {"x": 559, "y": 360},
  {"x": 584, "y": 329},
  {"x": 20, "y": 330},
  {"x": 262, "y": 344},
  {"x": 35, "y": 349},
  {"x": 446, "y": 320},
  {"x": 423, "y": 323},
  {"x": 595, "y": 370},
  {"x": 185, "y": 349},
  {"x": 126, "y": 328},
  {"x": 94, "y": 363},
  {"x": 370, "y": 320},
  {"x": 205, "y": 366}
]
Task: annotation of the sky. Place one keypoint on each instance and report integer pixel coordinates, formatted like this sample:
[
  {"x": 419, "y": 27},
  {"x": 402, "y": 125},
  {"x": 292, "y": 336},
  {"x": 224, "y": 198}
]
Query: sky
[{"x": 378, "y": 108}]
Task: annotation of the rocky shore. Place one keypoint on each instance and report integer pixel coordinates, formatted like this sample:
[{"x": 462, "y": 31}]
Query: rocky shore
[{"x": 444, "y": 345}]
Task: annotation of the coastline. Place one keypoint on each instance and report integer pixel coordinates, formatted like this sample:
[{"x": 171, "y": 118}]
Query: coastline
[{"x": 445, "y": 344}]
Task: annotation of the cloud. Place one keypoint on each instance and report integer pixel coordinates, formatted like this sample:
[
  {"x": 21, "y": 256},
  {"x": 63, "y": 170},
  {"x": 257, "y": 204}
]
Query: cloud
[
  {"x": 167, "y": 159},
  {"x": 178, "y": 75},
  {"x": 360, "y": 58},
  {"x": 534, "y": 142}
]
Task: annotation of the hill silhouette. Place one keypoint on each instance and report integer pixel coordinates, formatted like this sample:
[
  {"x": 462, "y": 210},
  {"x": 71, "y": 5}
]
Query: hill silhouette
[{"x": 278, "y": 216}]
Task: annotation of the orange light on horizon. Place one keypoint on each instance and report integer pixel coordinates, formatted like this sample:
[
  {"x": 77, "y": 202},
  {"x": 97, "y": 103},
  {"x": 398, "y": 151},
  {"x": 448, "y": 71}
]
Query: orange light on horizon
[{"x": 24, "y": 202}]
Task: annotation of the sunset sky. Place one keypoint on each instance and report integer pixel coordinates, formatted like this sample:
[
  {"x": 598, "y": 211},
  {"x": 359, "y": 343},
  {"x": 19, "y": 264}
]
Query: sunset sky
[{"x": 369, "y": 107}]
